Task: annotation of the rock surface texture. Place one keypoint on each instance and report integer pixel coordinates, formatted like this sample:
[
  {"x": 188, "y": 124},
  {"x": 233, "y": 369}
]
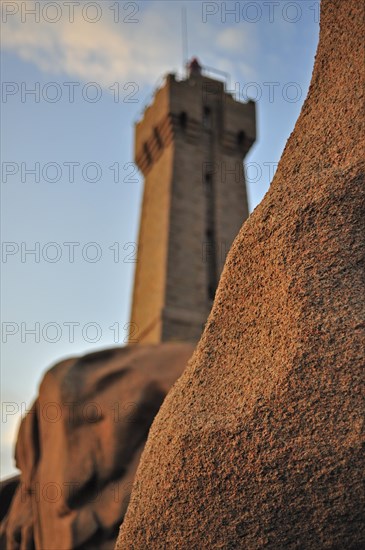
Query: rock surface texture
[
  {"x": 258, "y": 445},
  {"x": 79, "y": 447}
]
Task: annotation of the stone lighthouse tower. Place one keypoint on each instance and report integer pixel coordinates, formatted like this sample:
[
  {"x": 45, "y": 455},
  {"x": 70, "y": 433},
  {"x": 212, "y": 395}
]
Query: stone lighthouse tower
[{"x": 189, "y": 146}]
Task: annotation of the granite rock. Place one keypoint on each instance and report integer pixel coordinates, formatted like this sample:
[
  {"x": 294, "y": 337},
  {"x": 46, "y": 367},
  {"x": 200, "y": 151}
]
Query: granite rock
[
  {"x": 79, "y": 446},
  {"x": 260, "y": 442}
]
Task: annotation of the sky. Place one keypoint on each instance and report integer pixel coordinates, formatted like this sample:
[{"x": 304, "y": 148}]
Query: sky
[{"x": 76, "y": 76}]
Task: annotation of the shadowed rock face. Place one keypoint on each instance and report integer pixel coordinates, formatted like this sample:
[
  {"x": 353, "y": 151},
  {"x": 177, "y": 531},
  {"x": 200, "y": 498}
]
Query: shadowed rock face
[
  {"x": 7, "y": 489},
  {"x": 79, "y": 447},
  {"x": 258, "y": 445}
]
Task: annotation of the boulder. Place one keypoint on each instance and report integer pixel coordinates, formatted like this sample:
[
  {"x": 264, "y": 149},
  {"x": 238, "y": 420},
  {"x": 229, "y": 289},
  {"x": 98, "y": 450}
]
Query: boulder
[
  {"x": 7, "y": 490},
  {"x": 79, "y": 446},
  {"x": 259, "y": 443}
]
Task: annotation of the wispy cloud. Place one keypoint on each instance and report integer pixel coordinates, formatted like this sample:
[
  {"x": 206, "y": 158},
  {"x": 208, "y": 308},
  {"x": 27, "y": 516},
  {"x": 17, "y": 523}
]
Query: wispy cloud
[
  {"x": 102, "y": 52},
  {"x": 107, "y": 52}
]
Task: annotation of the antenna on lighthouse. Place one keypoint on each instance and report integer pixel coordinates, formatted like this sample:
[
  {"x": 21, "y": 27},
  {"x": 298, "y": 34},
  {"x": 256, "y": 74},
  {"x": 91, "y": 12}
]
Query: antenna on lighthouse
[{"x": 184, "y": 36}]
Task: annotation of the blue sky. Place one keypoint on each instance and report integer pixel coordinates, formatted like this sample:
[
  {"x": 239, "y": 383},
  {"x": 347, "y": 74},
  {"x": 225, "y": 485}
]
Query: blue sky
[{"x": 110, "y": 49}]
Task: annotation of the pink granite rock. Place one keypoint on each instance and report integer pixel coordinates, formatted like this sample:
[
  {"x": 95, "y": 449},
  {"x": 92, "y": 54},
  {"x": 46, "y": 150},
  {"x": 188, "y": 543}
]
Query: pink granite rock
[
  {"x": 79, "y": 447},
  {"x": 260, "y": 442}
]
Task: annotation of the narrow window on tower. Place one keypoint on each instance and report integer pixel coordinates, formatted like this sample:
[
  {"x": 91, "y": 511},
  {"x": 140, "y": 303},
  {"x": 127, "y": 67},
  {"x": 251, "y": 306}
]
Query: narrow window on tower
[
  {"x": 183, "y": 120},
  {"x": 211, "y": 292},
  {"x": 157, "y": 138},
  {"x": 147, "y": 153},
  {"x": 207, "y": 117},
  {"x": 208, "y": 183},
  {"x": 241, "y": 138}
]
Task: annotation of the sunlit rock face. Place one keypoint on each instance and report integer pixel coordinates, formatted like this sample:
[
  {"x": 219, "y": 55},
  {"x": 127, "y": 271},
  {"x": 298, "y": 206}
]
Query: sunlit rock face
[
  {"x": 79, "y": 447},
  {"x": 258, "y": 445}
]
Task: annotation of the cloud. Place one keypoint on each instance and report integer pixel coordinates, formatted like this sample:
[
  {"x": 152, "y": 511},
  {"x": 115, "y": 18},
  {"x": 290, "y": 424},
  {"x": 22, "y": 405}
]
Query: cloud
[
  {"x": 105, "y": 52},
  {"x": 108, "y": 52},
  {"x": 237, "y": 39}
]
